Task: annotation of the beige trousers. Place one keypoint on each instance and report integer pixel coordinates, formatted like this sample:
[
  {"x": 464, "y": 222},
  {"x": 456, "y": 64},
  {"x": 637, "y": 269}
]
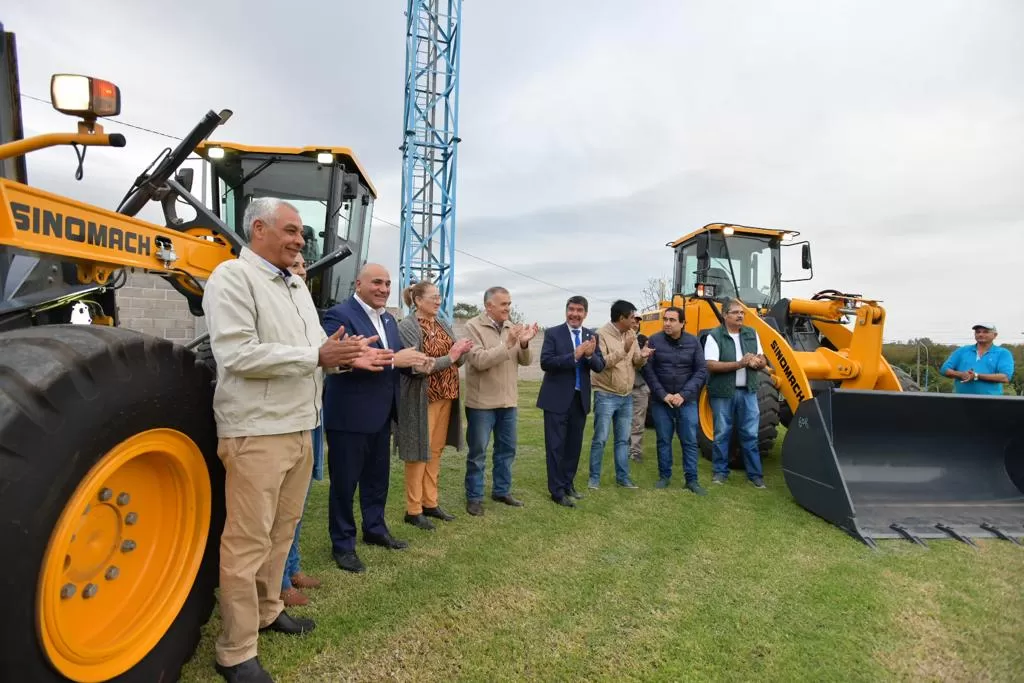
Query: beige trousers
[
  {"x": 641, "y": 396},
  {"x": 265, "y": 488},
  {"x": 421, "y": 477}
]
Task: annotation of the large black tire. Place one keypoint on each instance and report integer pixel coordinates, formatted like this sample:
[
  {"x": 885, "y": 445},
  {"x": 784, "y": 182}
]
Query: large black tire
[
  {"x": 768, "y": 402},
  {"x": 68, "y": 394}
]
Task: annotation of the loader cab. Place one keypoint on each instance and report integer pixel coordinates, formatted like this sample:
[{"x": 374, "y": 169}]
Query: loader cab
[
  {"x": 720, "y": 261},
  {"x": 328, "y": 186}
]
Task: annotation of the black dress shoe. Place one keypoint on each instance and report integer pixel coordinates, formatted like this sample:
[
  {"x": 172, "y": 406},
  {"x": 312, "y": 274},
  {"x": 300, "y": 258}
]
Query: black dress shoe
[
  {"x": 475, "y": 508},
  {"x": 350, "y": 562},
  {"x": 564, "y": 501},
  {"x": 385, "y": 541},
  {"x": 293, "y": 626},
  {"x": 248, "y": 671},
  {"x": 508, "y": 500},
  {"x": 438, "y": 513},
  {"x": 419, "y": 521},
  {"x": 575, "y": 494}
]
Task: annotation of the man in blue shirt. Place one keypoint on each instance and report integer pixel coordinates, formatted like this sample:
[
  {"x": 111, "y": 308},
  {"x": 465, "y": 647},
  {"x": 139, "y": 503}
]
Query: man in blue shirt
[{"x": 982, "y": 367}]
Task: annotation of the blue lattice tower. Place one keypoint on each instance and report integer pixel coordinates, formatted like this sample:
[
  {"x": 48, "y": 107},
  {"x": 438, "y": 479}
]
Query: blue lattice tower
[{"x": 430, "y": 145}]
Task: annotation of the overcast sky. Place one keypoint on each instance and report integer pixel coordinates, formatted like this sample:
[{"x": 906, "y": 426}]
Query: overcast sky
[{"x": 890, "y": 133}]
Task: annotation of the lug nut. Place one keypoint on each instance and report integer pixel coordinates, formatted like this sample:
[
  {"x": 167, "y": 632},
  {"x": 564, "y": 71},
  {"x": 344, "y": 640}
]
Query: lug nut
[
  {"x": 123, "y": 498},
  {"x": 112, "y": 573},
  {"x": 90, "y": 591},
  {"x": 67, "y": 591},
  {"x": 128, "y": 546},
  {"x": 105, "y": 495},
  {"x": 131, "y": 518}
]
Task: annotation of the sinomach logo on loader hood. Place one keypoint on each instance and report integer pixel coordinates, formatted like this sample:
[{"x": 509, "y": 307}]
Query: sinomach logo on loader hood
[
  {"x": 73, "y": 228},
  {"x": 787, "y": 371}
]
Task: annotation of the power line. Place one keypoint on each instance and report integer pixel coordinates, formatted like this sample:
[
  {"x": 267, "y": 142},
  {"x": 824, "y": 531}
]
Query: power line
[
  {"x": 376, "y": 218},
  {"x": 117, "y": 122},
  {"x": 496, "y": 265}
]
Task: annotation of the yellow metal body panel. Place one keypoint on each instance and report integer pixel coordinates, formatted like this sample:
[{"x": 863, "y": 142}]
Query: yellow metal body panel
[
  {"x": 737, "y": 230},
  {"x": 98, "y": 240}
]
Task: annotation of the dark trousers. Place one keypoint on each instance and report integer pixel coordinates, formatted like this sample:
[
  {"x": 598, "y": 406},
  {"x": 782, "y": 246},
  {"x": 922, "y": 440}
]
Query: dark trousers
[
  {"x": 357, "y": 460},
  {"x": 563, "y": 441}
]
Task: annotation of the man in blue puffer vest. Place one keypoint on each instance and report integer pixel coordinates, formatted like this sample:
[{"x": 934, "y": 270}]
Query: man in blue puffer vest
[
  {"x": 734, "y": 357},
  {"x": 675, "y": 374}
]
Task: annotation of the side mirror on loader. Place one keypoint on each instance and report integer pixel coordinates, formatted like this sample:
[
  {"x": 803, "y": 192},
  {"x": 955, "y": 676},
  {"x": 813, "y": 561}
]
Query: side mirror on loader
[
  {"x": 805, "y": 257},
  {"x": 703, "y": 260}
]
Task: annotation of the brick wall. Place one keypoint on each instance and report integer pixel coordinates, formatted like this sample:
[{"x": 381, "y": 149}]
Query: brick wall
[{"x": 148, "y": 304}]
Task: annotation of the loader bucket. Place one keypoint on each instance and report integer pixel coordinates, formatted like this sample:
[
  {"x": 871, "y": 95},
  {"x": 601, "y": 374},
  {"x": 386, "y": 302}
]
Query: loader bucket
[{"x": 881, "y": 464}]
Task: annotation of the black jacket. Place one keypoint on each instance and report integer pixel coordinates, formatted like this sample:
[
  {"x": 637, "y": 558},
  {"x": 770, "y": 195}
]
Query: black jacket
[{"x": 676, "y": 367}]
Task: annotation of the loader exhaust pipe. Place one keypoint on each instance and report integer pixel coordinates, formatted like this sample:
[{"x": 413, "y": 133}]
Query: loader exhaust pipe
[{"x": 882, "y": 464}]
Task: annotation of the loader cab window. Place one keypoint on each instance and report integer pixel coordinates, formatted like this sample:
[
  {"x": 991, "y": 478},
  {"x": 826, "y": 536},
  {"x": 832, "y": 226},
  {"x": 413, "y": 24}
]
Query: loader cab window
[{"x": 746, "y": 266}]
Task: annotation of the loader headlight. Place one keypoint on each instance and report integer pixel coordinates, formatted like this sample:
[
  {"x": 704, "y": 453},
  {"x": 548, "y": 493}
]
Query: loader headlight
[
  {"x": 84, "y": 96},
  {"x": 215, "y": 152},
  {"x": 324, "y": 158},
  {"x": 707, "y": 291}
]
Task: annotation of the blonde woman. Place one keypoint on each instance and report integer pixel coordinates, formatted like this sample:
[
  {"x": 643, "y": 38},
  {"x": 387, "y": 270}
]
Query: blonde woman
[{"x": 428, "y": 406}]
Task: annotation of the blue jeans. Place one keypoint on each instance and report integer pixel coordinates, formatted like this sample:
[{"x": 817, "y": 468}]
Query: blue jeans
[
  {"x": 292, "y": 565},
  {"x": 480, "y": 423},
  {"x": 669, "y": 422},
  {"x": 740, "y": 410},
  {"x": 611, "y": 411}
]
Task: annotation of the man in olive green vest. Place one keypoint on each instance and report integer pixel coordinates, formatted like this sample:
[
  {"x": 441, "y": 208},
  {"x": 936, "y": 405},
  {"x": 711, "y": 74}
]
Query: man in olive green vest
[{"x": 734, "y": 358}]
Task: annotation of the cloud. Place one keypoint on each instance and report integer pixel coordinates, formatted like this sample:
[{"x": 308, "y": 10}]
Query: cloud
[{"x": 887, "y": 133}]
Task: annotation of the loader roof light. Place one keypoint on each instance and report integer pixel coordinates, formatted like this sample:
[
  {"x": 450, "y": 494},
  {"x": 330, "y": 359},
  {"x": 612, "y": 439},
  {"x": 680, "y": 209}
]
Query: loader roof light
[
  {"x": 728, "y": 230},
  {"x": 324, "y": 158},
  {"x": 215, "y": 152},
  {"x": 788, "y": 236},
  {"x": 84, "y": 96}
]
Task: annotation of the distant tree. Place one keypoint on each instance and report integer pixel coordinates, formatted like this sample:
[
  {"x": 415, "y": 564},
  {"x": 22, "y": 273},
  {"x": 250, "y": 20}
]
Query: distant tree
[
  {"x": 658, "y": 289},
  {"x": 464, "y": 311},
  {"x": 515, "y": 316}
]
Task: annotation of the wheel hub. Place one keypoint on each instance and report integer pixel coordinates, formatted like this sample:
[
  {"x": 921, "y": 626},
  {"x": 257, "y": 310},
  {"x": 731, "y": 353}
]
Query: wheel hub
[{"x": 123, "y": 556}]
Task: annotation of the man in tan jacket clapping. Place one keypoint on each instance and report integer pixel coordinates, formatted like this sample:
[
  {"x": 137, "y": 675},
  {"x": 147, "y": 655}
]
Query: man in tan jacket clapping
[
  {"x": 492, "y": 396},
  {"x": 613, "y": 392}
]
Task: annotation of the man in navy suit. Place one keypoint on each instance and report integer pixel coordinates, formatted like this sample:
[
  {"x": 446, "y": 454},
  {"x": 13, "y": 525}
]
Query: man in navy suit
[
  {"x": 359, "y": 407},
  {"x": 569, "y": 354}
]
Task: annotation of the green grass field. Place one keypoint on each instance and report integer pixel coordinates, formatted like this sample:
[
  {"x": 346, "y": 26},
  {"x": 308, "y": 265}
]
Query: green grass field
[{"x": 645, "y": 584}]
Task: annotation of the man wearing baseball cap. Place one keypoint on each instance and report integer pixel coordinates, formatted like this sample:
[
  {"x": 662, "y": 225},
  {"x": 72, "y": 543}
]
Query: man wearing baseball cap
[{"x": 982, "y": 367}]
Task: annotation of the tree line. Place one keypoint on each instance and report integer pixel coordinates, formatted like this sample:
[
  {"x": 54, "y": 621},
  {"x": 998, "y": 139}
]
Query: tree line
[{"x": 922, "y": 358}]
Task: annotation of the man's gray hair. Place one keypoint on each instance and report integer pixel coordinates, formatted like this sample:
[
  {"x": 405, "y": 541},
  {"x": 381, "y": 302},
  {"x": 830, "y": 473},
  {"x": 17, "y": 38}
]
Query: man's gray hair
[
  {"x": 491, "y": 291},
  {"x": 731, "y": 301},
  {"x": 262, "y": 209}
]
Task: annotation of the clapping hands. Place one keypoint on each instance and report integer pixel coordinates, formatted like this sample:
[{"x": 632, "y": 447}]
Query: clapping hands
[
  {"x": 458, "y": 348},
  {"x": 586, "y": 348}
]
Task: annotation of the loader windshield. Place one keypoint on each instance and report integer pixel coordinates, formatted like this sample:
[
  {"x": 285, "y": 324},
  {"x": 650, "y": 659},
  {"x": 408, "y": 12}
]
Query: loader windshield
[
  {"x": 332, "y": 212},
  {"x": 743, "y": 266}
]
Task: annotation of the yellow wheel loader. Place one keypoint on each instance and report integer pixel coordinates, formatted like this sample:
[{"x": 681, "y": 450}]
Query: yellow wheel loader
[
  {"x": 864, "y": 448},
  {"x": 111, "y": 492}
]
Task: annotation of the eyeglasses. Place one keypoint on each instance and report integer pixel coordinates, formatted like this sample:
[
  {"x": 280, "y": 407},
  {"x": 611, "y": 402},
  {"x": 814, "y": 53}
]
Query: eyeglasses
[
  {"x": 736, "y": 313},
  {"x": 435, "y": 297}
]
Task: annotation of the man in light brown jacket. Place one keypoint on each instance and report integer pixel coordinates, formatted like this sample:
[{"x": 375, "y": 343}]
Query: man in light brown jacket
[
  {"x": 492, "y": 396},
  {"x": 271, "y": 355},
  {"x": 613, "y": 392}
]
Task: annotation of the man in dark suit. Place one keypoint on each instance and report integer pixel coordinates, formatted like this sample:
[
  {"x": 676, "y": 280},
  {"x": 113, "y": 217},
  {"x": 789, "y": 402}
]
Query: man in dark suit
[
  {"x": 359, "y": 407},
  {"x": 569, "y": 354}
]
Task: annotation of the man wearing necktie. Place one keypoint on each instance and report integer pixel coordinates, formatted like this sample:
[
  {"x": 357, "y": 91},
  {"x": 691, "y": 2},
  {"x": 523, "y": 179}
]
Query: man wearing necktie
[{"x": 569, "y": 354}]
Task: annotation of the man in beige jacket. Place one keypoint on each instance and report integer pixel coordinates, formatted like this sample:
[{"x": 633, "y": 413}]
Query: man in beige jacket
[
  {"x": 613, "y": 392},
  {"x": 492, "y": 396},
  {"x": 271, "y": 352}
]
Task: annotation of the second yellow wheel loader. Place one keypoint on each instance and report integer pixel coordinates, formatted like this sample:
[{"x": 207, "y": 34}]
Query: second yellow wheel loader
[{"x": 863, "y": 449}]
